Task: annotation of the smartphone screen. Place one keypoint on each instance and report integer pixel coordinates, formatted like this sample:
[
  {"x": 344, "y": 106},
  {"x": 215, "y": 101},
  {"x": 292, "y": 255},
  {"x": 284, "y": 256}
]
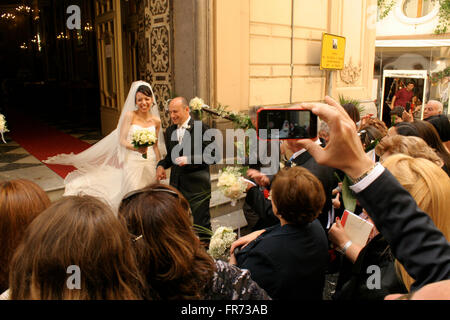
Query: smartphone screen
[{"x": 283, "y": 124}]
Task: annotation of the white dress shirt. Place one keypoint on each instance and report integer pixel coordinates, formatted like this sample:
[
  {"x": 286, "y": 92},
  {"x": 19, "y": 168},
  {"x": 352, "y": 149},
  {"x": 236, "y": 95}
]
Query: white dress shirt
[
  {"x": 182, "y": 129},
  {"x": 299, "y": 152}
]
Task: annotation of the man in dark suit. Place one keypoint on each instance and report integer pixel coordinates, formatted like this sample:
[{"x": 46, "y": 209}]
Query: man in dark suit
[
  {"x": 433, "y": 113},
  {"x": 189, "y": 172}
]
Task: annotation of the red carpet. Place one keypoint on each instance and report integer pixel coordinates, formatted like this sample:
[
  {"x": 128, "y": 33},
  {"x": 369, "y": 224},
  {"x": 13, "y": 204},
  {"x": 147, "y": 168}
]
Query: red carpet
[{"x": 42, "y": 142}]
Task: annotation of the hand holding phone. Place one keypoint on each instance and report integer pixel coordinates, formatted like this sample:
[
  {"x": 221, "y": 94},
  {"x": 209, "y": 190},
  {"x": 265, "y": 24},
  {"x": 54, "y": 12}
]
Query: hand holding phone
[{"x": 286, "y": 123}]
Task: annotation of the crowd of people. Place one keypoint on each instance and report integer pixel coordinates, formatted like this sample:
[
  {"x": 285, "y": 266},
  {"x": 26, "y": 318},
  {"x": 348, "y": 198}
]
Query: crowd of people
[{"x": 146, "y": 248}]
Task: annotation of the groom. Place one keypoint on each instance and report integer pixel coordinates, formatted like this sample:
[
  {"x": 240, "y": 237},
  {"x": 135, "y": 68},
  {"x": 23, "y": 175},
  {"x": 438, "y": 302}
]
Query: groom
[{"x": 189, "y": 173}]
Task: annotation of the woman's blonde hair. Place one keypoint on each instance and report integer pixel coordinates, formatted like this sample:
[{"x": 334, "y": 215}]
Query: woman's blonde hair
[
  {"x": 429, "y": 185},
  {"x": 412, "y": 146}
]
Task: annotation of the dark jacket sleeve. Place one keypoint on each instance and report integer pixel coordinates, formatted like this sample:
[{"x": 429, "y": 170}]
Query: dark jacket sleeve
[
  {"x": 203, "y": 159},
  {"x": 414, "y": 239},
  {"x": 166, "y": 163},
  {"x": 262, "y": 207}
]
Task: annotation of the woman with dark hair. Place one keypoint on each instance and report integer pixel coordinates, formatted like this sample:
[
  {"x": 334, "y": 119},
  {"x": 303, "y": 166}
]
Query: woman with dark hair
[
  {"x": 172, "y": 259},
  {"x": 352, "y": 111},
  {"x": 20, "y": 202},
  {"x": 289, "y": 260},
  {"x": 75, "y": 250},
  {"x": 113, "y": 166},
  {"x": 404, "y": 129},
  {"x": 428, "y": 133}
]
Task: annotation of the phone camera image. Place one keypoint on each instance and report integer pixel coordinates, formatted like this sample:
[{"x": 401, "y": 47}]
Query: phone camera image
[{"x": 283, "y": 124}]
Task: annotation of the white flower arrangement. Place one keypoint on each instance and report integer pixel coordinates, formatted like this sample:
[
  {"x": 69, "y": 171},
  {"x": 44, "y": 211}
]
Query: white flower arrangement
[
  {"x": 196, "y": 104},
  {"x": 3, "y": 127},
  {"x": 144, "y": 138},
  {"x": 231, "y": 183},
  {"x": 220, "y": 244}
]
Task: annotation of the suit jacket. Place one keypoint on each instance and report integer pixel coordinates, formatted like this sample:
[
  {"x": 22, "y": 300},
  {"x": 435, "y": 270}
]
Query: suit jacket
[
  {"x": 352, "y": 281},
  {"x": 414, "y": 239},
  {"x": 288, "y": 261},
  {"x": 442, "y": 125},
  {"x": 197, "y": 163}
]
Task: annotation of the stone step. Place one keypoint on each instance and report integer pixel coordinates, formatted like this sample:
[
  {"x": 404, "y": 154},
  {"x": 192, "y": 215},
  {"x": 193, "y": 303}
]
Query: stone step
[{"x": 235, "y": 220}]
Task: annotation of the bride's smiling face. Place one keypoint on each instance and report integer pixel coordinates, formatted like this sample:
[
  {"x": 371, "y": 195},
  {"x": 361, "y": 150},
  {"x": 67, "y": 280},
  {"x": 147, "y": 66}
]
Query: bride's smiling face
[{"x": 143, "y": 102}]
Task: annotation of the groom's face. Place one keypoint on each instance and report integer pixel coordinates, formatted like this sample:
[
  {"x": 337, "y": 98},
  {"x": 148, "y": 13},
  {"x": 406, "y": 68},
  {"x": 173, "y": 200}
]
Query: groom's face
[{"x": 178, "y": 112}]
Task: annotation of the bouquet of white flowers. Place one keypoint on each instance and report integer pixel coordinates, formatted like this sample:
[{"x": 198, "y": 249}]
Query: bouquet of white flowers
[
  {"x": 220, "y": 241},
  {"x": 231, "y": 183},
  {"x": 196, "y": 106},
  {"x": 220, "y": 244},
  {"x": 3, "y": 127},
  {"x": 144, "y": 138}
]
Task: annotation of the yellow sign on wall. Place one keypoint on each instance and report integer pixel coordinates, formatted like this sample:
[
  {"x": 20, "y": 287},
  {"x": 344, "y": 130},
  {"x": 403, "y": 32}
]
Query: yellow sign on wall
[{"x": 333, "y": 52}]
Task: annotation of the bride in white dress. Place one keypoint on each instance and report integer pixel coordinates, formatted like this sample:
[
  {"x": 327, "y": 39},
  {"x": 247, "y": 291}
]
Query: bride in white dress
[{"x": 113, "y": 166}]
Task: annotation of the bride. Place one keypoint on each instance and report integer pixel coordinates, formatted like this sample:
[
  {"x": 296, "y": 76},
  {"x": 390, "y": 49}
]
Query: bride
[{"x": 113, "y": 166}]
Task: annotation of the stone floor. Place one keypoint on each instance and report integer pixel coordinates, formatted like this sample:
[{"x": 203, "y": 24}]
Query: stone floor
[{"x": 17, "y": 163}]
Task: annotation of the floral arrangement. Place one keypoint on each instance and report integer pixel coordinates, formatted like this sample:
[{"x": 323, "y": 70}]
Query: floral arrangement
[
  {"x": 220, "y": 242},
  {"x": 240, "y": 120},
  {"x": 231, "y": 183},
  {"x": 197, "y": 105},
  {"x": 3, "y": 127},
  {"x": 144, "y": 138}
]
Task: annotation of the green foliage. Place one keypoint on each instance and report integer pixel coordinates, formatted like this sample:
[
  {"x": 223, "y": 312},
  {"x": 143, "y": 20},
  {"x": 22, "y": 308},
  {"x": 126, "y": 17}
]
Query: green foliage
[
  {"x": 438, "y": 76},
  {"x": 240, "y": 120},
  {"x": 344, "y": 100},
  {"x": 384, "y": 7},
  {"x": 444, "y": 17},
  {"x": 348, "y": 196}
]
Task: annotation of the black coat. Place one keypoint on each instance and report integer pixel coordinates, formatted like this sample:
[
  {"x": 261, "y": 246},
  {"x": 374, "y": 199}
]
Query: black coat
[
  {"x": 289, "y": 262},
  {"x": 192, "y": 180},
  {"x": 414, "y": 239},
  {"x": 352, "y": 285}
]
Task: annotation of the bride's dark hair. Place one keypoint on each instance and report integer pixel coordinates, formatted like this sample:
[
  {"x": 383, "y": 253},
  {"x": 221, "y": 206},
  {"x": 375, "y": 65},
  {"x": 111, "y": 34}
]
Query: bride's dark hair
[
  {"x": 170, "y": 255},
  {"x": 144, "y": 90}
]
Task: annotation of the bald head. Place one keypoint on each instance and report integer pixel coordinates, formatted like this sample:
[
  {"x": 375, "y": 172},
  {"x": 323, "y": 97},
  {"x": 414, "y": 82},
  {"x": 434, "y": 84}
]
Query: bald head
[
  {"x": 179, "y": 110},
  {"x": 432, "y": 108}
]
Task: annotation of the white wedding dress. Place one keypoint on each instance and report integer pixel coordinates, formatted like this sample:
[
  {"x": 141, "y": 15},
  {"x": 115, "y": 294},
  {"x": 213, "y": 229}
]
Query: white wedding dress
[
  {"x": 138, "y": 172},
  {"x": 110, "y": 183},
  {"x": 108, "y": 170}
]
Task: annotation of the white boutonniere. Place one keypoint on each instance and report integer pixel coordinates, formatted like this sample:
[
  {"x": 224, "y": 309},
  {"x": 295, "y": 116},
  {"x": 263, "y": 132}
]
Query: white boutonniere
[{"x": 293, "y": 164}]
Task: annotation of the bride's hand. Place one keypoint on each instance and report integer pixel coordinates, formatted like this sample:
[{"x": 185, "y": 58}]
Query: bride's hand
[{"x": 142, "y": 150}]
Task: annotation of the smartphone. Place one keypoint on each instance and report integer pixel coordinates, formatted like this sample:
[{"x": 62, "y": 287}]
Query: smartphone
[{"x": 286, "y": 123}]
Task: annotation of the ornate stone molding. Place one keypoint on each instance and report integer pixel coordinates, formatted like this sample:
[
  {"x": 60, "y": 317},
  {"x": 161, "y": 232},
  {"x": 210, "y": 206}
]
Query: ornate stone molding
[
  {"x": 350, "y": 74},
  {"x": 155, "y": 51}
]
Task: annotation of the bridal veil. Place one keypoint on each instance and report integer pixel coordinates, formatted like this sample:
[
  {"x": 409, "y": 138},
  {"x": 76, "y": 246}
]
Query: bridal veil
[{"x": 100, "y": 166}]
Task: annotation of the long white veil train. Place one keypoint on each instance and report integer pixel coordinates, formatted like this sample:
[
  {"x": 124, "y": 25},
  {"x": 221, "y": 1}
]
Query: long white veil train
[{"x": 99, "y": 168}]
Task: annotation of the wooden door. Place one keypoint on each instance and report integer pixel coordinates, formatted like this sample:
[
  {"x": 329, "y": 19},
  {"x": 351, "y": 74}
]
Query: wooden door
[{"x": 108, "y": 29}]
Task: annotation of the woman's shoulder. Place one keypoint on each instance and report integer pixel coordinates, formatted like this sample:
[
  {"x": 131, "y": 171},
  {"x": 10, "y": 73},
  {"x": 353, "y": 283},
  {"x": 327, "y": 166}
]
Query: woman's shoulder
[
  {"x": 157, "y": 120},
  {"x": 130, "y": 115},
  {"x": 231, "y": 282}
]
